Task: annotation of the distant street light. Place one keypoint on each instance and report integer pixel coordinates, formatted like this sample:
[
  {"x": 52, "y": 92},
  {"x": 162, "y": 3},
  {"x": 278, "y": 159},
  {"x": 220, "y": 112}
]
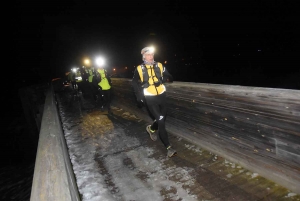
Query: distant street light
[{"x": 87, "y": 62}]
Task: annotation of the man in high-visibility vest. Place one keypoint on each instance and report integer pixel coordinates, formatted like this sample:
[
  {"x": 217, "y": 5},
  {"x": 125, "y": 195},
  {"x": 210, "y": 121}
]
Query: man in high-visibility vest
[
  {"x": 148, "y": 83},
  {"x": 104, "y": 84},
  {"x": 92, "y": 84}
]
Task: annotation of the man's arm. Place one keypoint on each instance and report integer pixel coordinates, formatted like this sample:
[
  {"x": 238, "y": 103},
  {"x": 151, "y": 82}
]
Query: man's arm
[
  {"x": 167, "y": 77},
  {"x": 108, "y": 78},
  {"x": 136, "y": 84}
]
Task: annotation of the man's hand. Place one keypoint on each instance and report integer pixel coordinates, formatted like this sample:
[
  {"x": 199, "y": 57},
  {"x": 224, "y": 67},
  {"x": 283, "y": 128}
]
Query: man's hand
[
  {"x": 140, "y": 98},
  {"x": 140, "y": 103}
]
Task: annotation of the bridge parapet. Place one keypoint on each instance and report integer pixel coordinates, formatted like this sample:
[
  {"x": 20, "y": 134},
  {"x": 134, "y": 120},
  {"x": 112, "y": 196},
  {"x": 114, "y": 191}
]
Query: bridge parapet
[
  {"x": 258, "y": 128},
  {"x": 53, "y": 174}
]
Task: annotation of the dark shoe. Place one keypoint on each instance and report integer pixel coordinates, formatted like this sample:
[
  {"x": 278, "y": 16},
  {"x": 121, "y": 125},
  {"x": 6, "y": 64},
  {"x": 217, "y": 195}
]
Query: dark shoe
[
  {"x": 171, "y": 152},
  {"x": 152, "y": 133}
]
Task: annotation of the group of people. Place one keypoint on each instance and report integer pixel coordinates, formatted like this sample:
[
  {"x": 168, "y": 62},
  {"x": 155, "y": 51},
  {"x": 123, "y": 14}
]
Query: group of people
[
  {"x": 94, "y": 81},
  {"x": 150, "y": 90}
]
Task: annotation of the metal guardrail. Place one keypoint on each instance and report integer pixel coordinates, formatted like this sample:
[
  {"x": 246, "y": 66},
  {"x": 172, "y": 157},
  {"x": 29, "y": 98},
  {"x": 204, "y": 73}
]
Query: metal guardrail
[{"x": 53, "y": 178}]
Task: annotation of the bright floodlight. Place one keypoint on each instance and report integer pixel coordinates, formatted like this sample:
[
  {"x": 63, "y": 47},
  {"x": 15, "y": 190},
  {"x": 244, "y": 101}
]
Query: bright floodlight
[
  {"x": 100, "y": 61},
  {"x": 74, "y": 70}
]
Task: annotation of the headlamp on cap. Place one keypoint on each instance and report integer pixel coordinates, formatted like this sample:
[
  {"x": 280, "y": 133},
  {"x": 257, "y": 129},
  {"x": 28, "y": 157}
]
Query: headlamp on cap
[
  {"x": 147, "y": 50},
  {"x": 100, "y": 62}
]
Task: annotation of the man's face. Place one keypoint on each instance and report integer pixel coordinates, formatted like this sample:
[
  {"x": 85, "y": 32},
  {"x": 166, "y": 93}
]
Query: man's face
[{"x": 149, "y": 57}]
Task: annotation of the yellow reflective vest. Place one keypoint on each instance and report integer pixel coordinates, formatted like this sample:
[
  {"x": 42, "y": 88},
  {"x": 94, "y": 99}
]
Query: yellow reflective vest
[
  {"x": 152, "y": 90},
  {"x": 104, "y": 83},
  {"x": 91, "y": 75}
]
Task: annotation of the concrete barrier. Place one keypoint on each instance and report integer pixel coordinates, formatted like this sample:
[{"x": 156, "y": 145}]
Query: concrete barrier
[
  {"x": 258, "y": 128},
  {"x": 53, "y": 174}
]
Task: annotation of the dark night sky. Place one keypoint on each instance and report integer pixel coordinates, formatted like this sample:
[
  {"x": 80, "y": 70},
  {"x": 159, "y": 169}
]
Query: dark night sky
[{"x": 242, "y": 43}]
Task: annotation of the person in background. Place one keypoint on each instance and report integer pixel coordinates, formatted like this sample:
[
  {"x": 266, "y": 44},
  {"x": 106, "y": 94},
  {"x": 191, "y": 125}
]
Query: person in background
[
  {"x": 73, "y": 79},
  {"x": 92, "y": 84},
  {"x": 84, "y": 84},
  {"x": 104, "y": 84},
  {"x": 148, "y": 84},
  {"x": 78, "y": 80}
]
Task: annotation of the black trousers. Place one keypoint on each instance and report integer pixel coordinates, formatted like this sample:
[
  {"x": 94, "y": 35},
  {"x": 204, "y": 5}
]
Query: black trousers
[
  {"x": 93, "y": 90},
  {"x": 106, "y": 97},
  {"x": 74, "y": 84},
  {"x": 158, "y": 109}
]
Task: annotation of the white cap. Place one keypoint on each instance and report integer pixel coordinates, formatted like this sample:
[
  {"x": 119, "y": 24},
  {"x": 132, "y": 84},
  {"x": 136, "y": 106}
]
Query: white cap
[{"x": 147, "y": 50}]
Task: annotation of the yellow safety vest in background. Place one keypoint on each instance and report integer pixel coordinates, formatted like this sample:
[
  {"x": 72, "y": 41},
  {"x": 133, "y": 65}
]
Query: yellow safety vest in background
[
  {"x": 90, "y": 79},
  {"x": 104, "y": 84}
]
